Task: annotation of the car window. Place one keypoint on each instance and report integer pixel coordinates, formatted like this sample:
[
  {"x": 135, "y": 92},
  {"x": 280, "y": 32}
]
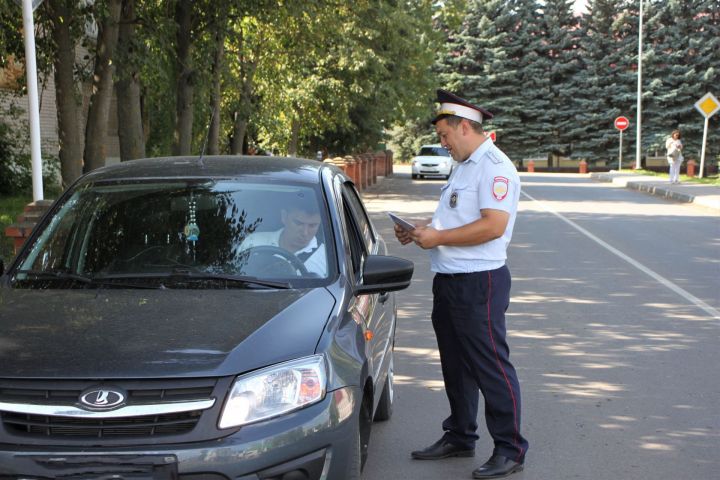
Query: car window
[
  {"x": 357, "y": 250},
  {"x": 433, "y": 152},
  {"x": 353, "y": 202},
  {"x": 230, "y": 227}
]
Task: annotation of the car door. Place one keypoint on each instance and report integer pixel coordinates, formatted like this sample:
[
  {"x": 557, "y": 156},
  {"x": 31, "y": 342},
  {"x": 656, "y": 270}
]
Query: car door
[{"x": 374, "y": 311}]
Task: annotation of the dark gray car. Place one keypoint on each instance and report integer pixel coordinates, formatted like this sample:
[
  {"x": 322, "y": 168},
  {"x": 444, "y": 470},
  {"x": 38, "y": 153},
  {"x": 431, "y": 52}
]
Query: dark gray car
[{"x": 156, "y": 326}]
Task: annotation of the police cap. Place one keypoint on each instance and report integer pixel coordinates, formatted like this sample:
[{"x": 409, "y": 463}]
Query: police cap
[{"x": 451, "y": 104}]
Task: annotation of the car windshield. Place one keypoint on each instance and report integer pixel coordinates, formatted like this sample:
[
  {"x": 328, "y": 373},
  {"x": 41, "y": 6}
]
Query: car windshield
[
  {"x": 183, "y": 234},
  {"x": 433, "y": 152}
]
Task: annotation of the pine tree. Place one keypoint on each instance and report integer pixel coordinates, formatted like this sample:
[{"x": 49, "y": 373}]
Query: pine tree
[
  {"x": 607, "y": 81},
  {"x": 703, "y": 57},
  {"x": 682, "y": 66},
  {"x": 487, "y": 63},
  {"x": 562, "y": 41},
  {"x": 518, "y": 131}
]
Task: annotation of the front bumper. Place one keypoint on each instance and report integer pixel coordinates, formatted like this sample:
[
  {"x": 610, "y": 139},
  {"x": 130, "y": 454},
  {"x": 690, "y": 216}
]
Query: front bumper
[
  {"x": 317, "y": 440},
  {"x": 430, "y": 168}
]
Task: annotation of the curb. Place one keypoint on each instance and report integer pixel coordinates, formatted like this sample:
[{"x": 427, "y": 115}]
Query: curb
[
  {"x": 659, "y": 191},
  {"x": 650, "y": 185}
]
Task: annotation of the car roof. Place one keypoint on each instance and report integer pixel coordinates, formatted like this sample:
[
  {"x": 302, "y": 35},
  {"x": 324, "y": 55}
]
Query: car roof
[{"x": 212, "y": 166}]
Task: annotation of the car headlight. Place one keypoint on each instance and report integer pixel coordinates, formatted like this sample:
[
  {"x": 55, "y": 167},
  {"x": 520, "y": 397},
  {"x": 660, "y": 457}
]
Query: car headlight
[{"x": 274, "y": 391}]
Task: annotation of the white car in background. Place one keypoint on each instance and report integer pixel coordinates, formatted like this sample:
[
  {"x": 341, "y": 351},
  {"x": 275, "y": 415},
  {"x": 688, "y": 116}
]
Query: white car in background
[{"x": 432, "y": 160}]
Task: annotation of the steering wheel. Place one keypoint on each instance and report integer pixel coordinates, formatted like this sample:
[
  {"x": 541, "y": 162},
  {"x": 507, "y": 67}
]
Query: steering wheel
[{"x": 271, "y": 254}]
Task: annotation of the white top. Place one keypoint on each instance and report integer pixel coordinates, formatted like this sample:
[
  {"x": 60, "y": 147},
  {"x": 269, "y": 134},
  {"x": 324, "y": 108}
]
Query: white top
[
  {"x": 486, "y": 180},
  {"x": 315, "y": 263},
  {"x": 674, "y": 148}
]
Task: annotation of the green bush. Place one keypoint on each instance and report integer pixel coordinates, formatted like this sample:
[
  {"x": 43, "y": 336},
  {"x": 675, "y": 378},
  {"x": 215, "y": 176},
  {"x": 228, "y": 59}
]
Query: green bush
[
  {"x": 16, "y": 164},
  {"x": 15, "y": 175}
]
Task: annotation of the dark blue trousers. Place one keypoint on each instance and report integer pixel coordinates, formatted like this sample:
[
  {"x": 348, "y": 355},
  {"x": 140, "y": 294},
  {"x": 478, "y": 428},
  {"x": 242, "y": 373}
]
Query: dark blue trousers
[{"x": 469, "y": 321}]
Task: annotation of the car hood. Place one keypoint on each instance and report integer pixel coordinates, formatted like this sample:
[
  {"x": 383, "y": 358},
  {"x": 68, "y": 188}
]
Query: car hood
[
  {"x": 155, "y": 333},
  {"x": 432, "y": 158}
]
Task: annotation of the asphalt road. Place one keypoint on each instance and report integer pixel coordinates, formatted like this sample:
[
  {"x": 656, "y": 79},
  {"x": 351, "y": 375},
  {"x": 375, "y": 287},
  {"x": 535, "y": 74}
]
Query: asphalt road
[{"x": 613, "y": 328}]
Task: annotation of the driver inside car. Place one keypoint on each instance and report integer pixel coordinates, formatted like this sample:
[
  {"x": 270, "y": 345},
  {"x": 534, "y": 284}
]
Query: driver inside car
[{"x": 301, "y": 222}]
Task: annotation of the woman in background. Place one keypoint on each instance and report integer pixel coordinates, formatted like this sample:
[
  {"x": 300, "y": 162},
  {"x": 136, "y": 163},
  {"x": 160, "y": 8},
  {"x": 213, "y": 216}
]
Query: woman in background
[{"x": 674, "y": 147}]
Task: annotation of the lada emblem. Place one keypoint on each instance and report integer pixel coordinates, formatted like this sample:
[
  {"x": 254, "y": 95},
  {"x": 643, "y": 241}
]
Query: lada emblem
[{"x": 102, "y": 398}]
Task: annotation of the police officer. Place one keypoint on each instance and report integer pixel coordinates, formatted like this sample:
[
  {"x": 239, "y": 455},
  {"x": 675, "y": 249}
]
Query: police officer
[{"x": 467, "y": 238}]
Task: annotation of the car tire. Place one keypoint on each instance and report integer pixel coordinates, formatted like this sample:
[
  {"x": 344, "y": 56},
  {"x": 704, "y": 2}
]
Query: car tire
[
  {"x": 385, "y": 408},
  {"x": 414, "y": 176}
]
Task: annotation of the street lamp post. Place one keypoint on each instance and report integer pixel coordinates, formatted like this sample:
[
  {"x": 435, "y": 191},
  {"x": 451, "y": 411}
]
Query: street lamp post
[
  {"x": 33, "y": 103},
  {"x": 638, "y": 138}
]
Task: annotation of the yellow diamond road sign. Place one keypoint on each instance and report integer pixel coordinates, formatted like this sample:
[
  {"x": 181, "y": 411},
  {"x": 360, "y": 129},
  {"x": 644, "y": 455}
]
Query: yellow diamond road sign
[{"x": 708, "y": 105}]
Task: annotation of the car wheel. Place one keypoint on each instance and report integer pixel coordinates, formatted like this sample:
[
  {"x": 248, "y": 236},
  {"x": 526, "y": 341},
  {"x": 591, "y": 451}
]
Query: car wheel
[
  {"x": 385, "y": 407},
  {"x": 414, "y": 176}
]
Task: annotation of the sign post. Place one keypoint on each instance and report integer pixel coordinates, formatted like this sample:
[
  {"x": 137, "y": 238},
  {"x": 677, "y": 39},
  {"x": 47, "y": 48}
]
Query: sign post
[
  {"x": 28, "y": 7},
  {"x": 621, "y": 123},
  {"x": 708, "y": 106}
]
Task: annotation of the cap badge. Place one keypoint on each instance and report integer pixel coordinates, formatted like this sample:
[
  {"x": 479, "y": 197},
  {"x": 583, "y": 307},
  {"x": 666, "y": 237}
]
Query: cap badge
[{"x": 500, "y": 188}]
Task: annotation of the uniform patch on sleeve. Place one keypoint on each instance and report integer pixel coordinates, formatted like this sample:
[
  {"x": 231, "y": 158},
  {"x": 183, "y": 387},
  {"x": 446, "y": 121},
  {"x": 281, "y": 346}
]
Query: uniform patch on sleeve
[{"x": 500, "y": 188}]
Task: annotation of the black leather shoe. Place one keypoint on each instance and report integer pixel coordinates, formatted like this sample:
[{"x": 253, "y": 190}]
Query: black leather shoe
[
  {"x": 497, "y": 467},
  {"x": 442, "y": 449}
]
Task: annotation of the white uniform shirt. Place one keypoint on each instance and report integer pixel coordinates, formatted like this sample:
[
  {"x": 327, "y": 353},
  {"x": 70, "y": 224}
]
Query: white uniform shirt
[
  {"x": 486, "y": 180},
  {"x": 315, "y": 263}
]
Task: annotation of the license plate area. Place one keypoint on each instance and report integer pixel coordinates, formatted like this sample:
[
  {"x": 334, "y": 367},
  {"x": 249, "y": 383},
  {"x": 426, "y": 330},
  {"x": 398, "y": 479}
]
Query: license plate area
[{"x": 101, "y": 467}]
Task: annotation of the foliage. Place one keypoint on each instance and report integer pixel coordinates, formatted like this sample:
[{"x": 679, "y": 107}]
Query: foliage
[
  {"x": 556, "y": 82},
  {"x": 343, "y": 77},
  {"x": 11, "y": 42},
  {"x": 15, "y": 171}
]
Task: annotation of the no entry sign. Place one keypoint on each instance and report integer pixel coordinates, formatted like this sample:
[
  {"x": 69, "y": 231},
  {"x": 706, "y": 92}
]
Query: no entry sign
[{"x": 621, "y": 123}]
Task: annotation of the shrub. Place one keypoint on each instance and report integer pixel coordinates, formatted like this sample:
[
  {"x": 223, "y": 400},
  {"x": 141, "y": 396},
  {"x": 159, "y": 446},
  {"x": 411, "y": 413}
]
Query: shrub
[{"x": 16, "y": 163}]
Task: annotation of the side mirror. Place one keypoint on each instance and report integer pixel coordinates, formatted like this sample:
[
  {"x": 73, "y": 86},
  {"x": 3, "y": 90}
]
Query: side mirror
[{"x": 385, "y": 274}]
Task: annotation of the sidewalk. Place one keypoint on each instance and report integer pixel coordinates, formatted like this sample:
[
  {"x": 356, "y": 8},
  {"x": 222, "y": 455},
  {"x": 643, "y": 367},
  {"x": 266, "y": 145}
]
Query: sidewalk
[{"x": 698, "y": 194}]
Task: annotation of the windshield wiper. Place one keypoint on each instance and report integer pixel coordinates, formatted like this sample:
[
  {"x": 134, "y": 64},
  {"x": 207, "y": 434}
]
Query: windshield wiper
[
  {"x": 182, "y": 274},
  {"x": 244, "y": 279},
  {"x": 100, "y": 281},
  {"x": 56, "y": 275}
]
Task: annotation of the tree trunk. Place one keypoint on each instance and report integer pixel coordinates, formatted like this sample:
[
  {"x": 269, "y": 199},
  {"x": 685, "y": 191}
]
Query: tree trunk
[
  {"x": 130, "y": 121},
  {"x": 239, "y": 129},
  {"x": 184, "y": 77},
  {"x": 99, "y": 111},
  {"x": 242, "y": 115},
  {"x": 214, "y": 133},
  {"x": 294, "y": 138},
  {"x": 68, "y": 110}
]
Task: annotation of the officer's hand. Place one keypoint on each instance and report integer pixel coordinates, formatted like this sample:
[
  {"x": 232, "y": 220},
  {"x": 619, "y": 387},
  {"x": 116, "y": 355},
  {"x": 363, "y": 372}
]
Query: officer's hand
[
  {"x": 425, "y": 237},
  {"x": 402, "y": 235}
]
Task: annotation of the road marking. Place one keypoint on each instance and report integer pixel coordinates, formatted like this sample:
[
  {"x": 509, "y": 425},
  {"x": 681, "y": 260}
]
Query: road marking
[{"x": 657, "y": 277}]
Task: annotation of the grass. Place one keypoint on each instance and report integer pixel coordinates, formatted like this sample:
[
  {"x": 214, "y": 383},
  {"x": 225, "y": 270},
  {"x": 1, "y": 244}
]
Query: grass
[
  {"x": 708, "y": 180},
  {"x": 10, "y": 208}
]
